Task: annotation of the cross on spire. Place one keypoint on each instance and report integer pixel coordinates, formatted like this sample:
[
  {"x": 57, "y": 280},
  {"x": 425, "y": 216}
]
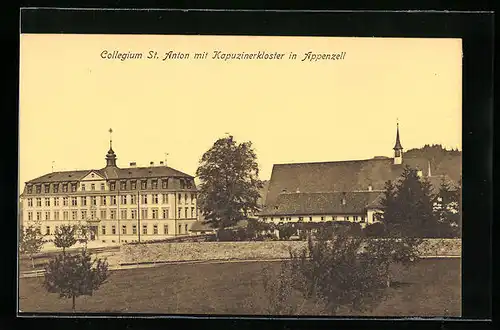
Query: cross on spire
[{"x": 110, "y": 138}]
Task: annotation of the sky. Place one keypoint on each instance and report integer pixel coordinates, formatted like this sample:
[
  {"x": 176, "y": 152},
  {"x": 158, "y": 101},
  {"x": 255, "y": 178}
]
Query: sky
[{"x": 291, "y": 110}]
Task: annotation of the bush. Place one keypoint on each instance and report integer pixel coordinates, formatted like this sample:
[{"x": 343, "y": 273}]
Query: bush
[{"x": 376, "y": 229}]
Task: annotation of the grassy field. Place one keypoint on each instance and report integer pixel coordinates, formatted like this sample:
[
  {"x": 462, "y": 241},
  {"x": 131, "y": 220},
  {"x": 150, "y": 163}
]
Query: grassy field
[{"x": 431, "y": 288}]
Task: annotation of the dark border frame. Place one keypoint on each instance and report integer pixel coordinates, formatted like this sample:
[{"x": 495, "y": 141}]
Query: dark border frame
[{"x": 476, "y": 31}]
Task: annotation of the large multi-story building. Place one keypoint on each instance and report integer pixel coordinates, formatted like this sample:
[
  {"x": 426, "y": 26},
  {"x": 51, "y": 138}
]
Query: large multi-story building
[
  {"x": 118, "y": 204},
  {"x": 344, "y": 190}
]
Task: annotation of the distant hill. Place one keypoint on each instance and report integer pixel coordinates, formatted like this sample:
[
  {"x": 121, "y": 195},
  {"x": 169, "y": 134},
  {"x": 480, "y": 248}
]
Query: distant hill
[{"x": 443, "y": 161}]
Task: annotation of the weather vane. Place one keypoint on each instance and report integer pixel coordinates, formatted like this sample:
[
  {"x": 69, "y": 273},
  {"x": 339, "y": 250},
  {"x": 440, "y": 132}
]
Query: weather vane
[{"x": 110, "y": 137}]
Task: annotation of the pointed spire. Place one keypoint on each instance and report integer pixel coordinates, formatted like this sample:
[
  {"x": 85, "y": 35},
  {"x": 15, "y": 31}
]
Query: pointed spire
[
  {"x": 110, "y": 139},
  {"x": 397, "y": 146}
]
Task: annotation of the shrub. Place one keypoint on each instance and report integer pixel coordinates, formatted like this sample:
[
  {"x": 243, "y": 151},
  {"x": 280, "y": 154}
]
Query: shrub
[{"x": 376, "y": 229}]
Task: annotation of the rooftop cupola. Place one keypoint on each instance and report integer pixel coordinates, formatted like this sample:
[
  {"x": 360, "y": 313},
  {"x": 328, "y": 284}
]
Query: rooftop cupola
[{"x": 110, "y": 156}]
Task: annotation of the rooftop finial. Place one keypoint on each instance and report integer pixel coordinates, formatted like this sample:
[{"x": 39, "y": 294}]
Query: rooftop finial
[{"x": 110, "y": 138}]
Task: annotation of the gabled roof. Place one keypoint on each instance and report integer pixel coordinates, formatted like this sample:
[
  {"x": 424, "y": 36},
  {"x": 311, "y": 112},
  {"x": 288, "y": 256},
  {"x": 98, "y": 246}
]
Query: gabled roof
[
  {"x": 66, "y": 176},
  {"x": 321, "y": 203},
  {"x": 354, "y": 175}
]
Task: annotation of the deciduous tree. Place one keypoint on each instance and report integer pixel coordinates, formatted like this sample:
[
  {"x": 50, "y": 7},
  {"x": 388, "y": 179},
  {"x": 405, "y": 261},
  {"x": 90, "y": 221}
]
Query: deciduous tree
[
  {"x": 74, "y": 275},
  {"x": 230, "y": 187},
  {"x": 31, "y": 242},
  {"x": 65, "y": 237}
]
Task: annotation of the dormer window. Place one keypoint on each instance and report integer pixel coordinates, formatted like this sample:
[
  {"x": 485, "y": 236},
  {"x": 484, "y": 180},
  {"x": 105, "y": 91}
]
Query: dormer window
[
  {"x": 55, "y": 187},
  {"x": 189, "y": 185},
  {"x": 73, "y": 187},
  {"x": 183, "y": 184},
  {"x": 123, "y": 185},
  {"x": 30, "y": 189},
  {"x": 154, "y": 184},
  {"x": 111, "y": 186},
  {"x": 47, "y": 188},
  {"x": 144, "y": 184},
  {"x": 65, "y": 187},
  {"x": 133, "y": 184},
  {"x": 164, "y": 183},
  {"x": 83, "y": 187},
  {"x": 38, "y": 189}
]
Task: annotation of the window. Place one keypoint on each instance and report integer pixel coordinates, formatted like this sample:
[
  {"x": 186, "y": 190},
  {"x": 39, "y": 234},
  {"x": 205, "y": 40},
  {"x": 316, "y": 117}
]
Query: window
[
  {"x": 84, "y": 200},
  {"x": 73, "y": 187},
  {"x": 30, "y": 202},
  {"x": 333, "y": 218},
  {"x": 189, "y": 184},
  {"x": 65, "y": 187},
  {"x": 92, "y": 214},
  {"x": 301, "y": 218},
  {"x": 113, "y": 230},
  {"x": 38, "y": 189},
  {"x": 155, "y": 198},
  {"x": 73, "y": 215},
  {"x": 155, "y": 229},
  {"x": 164, "y": 198},
  {"x": 103, "y": 200},
  {"x": 38, "y": 202},
  {"x": 186, "y": 212},
  {"x": 113, "y": 200},
  {"x": 47, "y": 230},
  {"x": 56, "y": 215},
  {"x": 144, "y": 213},
  {"x": 144, "y": 184},
  {"x": 154, "y": 214},
  {"x": 124, "y": 214},
  {"x": 145, "y": 229},
  {"x": 362, "y": 219},
  {"x": 47, "y": 215},
  {"x": 56, "y": 201},
  {"x": 180, "y": 229},
  {"x": 38, "y": 216},
  {"x": 123, "y": 199},
  {"x": 281, "y": 219},
  {"x": 322, "y": 218},
  {"x": 73, "y": 201},
  {"x": 103, "y": 214},
  {"x": 132, "y": 199},
  {"x": 65, "y": 215},
  {"x": 47, "y": 201},
  {"x": 133, "y": 214},
  {"x": 192, "y": 213},
  {"x": 355, "y": 218},
  {"x": 30, "y": 216},
  {"x": 193, "y": 197},
  {"x": 289, "y": 218},
  {"x": 347, "y": 218},
  {"x": 179, "y": 198},
  {"x": 186, "y": 198},
  {"x": 84, "y": 214},
  {"x": 92, "y": 186},
  {"x": 47, "y": 188},
  {"x": 310, "y": 218},
  {"x": 144, "y": 199},
  {"x": 179, "y": 212},
  {"x": 112, "y": 214},
  {"x": 83, "y": 187},
  {"x": 30, "y": 190},
  {"x": 154, "y": 184},
  {"x": 164, "y": 183},
  {"x": 134, "y": 229},
  {"x": 165, "y": 229},
  {"x": 92, "y": 175},
  {"x": 111, "y": 186},
  {"x": 93, "y": 200},
  {"x": 123, "y": 185},
  {"x": 103, "y": 187},
  {"x": 183, "y": 184},
  {"x": 165, "y": 213},
  {"x": 103, "y": 230},
  {"x": 65, "y": 201},
  {"x": 55, "y": 187},
  {"x": 133, "y": 185},
  {"x": 124, "y": 229}
]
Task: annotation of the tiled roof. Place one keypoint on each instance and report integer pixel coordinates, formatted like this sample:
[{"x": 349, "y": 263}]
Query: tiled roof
[
  {"x": 321, "y": 203},
  {"x": 112, "y": 173},
  {"x": 347, "y": 175}
]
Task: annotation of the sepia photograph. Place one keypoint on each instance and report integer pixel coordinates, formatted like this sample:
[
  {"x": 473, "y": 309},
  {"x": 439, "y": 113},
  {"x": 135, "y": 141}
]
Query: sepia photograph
[{"x": 240, "y": 175}]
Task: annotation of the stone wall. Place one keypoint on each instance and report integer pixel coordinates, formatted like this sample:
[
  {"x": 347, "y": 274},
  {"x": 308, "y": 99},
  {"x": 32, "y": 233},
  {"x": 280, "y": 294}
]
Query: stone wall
[{"x": 165, "y": 252}]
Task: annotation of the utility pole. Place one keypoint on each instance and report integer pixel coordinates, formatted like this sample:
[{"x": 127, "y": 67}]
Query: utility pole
[{"x": 138, "y": 216}]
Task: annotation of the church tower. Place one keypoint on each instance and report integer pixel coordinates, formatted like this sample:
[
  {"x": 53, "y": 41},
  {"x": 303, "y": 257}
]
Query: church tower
[
  {"x": 398, "y": 149},
  {"x": 110, "y": 156}
]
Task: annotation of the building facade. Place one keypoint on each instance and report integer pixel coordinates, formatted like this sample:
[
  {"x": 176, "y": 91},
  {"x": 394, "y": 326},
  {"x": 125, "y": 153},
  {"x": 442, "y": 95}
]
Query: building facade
[
  {"x": 118, "y": 204},
  {"x": 340, "y": 191}
]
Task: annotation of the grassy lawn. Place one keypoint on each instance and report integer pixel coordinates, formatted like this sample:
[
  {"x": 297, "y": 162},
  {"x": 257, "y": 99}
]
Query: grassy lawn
[{"x": 431, "y": 288}]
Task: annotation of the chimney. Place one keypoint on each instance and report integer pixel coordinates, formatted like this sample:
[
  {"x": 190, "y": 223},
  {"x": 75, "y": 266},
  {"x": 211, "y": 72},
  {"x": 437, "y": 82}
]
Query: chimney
[
  {"x": 370, "y": 188},
  {"x": 161, "y": 163},
  {"x": 151, "y": 163},
  {"x": 133, "y": 164}
]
